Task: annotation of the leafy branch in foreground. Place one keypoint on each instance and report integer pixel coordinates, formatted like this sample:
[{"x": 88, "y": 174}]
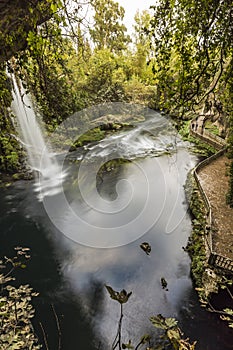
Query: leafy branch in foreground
[
  {"x": 16, "y": 310},
  {"x": 226, "y": 314},
  {"x": 173, "y": 335},
  {"x": 122, "y": 298}
]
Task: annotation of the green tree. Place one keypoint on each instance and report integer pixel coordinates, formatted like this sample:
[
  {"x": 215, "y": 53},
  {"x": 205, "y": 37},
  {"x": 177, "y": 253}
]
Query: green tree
[
  {"x": 109, "y": 31},
  {"x": 105, "y": 77},
  {"x": 20, "y": 17},
  {"x": 192, "y": 43},
  {"x": 142, "y": 60},
  {"x": 33, "y": 33},
  {"x": 48, "y": 75},
  {"x": 82, "y": 45}
]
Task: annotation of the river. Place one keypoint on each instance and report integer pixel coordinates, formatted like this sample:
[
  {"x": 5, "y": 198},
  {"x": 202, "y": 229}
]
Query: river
[{"x": 145, "y": 202}]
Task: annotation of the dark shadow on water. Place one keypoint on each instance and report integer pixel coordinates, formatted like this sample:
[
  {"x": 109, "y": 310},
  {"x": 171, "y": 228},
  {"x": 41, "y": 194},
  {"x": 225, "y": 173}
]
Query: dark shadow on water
[
  {"x": 44, "y": 276},
  {"x": 207, "y": 328}
]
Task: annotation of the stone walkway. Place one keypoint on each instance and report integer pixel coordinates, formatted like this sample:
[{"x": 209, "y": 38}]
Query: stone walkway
[{"x": 214, "y": 181}]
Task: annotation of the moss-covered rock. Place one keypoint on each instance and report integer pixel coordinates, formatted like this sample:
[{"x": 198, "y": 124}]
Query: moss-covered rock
[{"x": 11, "y": 154}]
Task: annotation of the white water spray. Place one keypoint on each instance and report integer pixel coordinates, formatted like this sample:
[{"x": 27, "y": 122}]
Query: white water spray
[{"x": 40, "y": 159}]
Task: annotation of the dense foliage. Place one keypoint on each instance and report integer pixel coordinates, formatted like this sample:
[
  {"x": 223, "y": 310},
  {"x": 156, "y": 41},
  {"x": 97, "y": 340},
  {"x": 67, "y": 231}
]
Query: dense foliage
[
  {"x": 65, "y": 62},
  {"x": 192, "y": 45},
  {"x": 16, "y": 309},
  {"x": 17, "y": 19}
]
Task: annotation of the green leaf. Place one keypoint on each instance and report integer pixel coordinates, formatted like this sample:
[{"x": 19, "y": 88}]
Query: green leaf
[
  {"x": 173, "y": 334},
  {"x": 158, "y": 321},
  {"x": 53, "y": 7},
  {"x": 171, "y": 322},
  {"x": 163, "y": 323},
  {"x": 229, "y": 311}
]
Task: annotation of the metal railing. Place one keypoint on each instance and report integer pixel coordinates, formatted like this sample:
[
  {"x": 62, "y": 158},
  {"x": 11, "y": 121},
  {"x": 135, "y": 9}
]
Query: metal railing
[
  {"x": 221, "y": 262},
  {"x": 211, "y": 141},
  {"x": 215, "y": 138}
]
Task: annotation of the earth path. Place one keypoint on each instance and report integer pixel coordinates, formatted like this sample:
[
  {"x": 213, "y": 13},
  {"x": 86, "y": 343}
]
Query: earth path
[{"x": 214, "y": 181}]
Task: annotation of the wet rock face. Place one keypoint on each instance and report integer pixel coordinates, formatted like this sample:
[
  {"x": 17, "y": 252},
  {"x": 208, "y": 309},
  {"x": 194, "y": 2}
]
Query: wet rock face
[{"x": 17, "y": 18}]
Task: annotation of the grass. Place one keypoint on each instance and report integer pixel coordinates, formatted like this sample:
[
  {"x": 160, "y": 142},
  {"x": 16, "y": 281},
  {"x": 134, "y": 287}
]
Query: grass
[
  {"x": 212, "y": 128},
  {"x": 201, "y": 148}
]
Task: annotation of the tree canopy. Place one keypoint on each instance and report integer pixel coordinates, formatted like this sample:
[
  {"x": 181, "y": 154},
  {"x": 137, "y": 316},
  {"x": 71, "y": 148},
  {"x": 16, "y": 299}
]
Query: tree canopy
[
  {"x": 192, "y": 43},
  {"x": 108, "y": 29}
]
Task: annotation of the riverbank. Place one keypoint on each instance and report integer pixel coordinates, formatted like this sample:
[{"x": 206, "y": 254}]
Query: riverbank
[
  {"x": 210, "y": 244},
  {"x": 7, "y": 180}
]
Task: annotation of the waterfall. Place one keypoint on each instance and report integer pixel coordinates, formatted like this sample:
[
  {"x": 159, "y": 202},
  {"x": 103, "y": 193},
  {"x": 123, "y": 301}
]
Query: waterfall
[{"x": 48, "y": 173}]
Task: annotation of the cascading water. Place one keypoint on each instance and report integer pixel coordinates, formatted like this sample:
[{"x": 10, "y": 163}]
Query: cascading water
[{"x": 40, "y": 159}]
